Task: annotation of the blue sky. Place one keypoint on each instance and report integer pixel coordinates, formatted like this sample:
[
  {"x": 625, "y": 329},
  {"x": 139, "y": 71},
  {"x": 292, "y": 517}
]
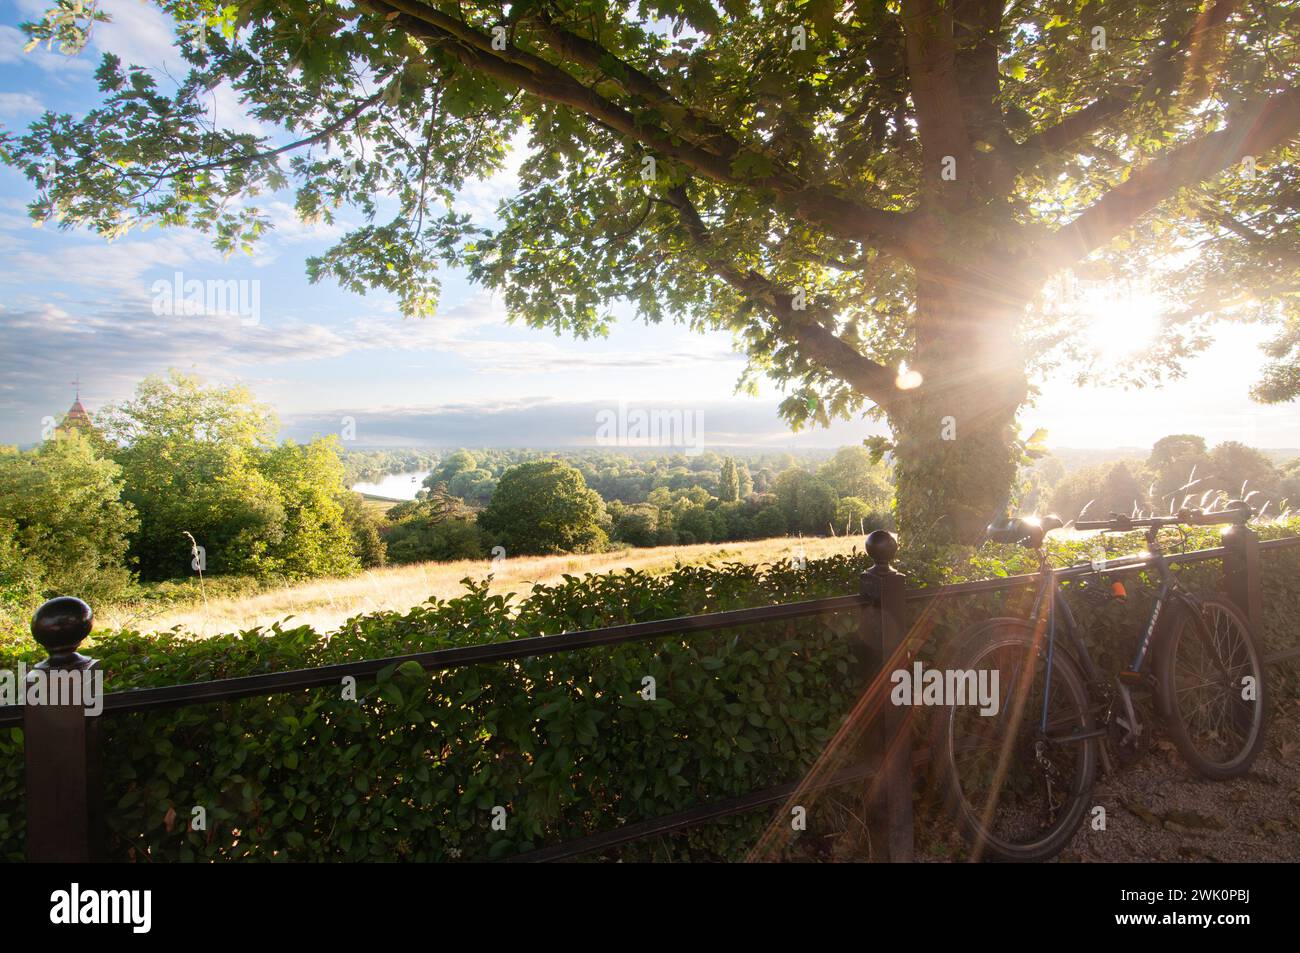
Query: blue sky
[{"x": 72, "y": 305}]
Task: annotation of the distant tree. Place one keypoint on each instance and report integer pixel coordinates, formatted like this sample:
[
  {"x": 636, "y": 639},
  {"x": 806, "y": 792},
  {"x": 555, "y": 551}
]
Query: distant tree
[
  {"x": 1121, "y": 491},
  {"x": 746, "y": 480},
  {"x": 315, "y": 538},
  {"x": 699, "y": 524},
  {"x": 473, "y": 486},
  {"x": 459, "y": 462},
  {"x": 770, "y": 522},
  {"x": 852, "y": 472},
  {"x": 729, "y": 482},
  {"x": 851, "y": 513},
  {"x": 1109, "y": 487},
  {"x": 1171, "y": 463},
  {"x": 1236, "y": 466},
  {"x": 364, "y": 526},
  {"x": 62, "y": 506},
  {"x": 423, "y": 539},
  {"x": 636, "y": 525},
  {"x": 203, "y": 460},
  {"x": 545, "y": 507},
  {"x": 806, "y": 500}
]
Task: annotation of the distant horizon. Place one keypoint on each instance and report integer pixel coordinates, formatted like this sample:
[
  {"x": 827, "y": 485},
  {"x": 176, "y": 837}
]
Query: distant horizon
[{"x": 751, "y": 420}]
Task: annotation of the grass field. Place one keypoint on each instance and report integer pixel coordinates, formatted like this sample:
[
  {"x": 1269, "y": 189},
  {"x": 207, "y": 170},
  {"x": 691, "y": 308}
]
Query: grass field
[{"x": 326, "y": 603}]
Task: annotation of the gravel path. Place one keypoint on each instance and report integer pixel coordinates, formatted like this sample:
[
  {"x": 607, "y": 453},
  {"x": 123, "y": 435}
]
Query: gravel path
[{"x": 1158, "y": 811}]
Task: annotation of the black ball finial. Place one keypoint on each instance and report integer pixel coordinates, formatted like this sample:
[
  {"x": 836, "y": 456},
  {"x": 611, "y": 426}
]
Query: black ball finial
[
  {"x": 882, "y": 547},
  {"x": 61, "y": 624}
]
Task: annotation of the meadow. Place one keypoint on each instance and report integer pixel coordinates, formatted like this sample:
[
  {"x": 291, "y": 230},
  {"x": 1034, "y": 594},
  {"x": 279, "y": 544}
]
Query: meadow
[{"x": 325, "y": 604}]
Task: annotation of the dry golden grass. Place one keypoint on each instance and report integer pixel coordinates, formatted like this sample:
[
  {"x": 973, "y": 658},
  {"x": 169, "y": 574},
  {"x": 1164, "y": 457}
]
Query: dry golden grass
[{"x": 326, "y": 603}]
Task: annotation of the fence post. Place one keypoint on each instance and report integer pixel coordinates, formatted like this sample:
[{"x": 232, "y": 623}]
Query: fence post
[
  {"x": 61, "y": 742},
  {"x": 1242, "y": 573},
  {"x": 882, "y": 627}
]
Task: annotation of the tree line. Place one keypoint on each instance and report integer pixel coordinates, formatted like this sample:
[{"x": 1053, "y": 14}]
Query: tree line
[{"x": 185, "y": 481}]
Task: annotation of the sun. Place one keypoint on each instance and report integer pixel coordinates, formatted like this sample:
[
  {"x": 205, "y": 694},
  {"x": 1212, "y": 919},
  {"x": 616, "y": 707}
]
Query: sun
[{"x": 1114, "y": 328}]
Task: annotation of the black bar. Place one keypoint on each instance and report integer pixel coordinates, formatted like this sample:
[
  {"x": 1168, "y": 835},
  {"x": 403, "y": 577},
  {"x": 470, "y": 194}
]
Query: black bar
[{"x": 687, "y": 818}]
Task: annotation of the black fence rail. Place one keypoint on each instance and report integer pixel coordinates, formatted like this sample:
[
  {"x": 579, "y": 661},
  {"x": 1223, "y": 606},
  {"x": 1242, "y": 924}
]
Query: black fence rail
[{"x": 62, "y": 747}]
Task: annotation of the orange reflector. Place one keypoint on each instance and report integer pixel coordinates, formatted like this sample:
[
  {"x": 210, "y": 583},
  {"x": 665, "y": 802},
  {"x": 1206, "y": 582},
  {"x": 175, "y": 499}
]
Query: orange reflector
[{"x": 1119, "y": 591}]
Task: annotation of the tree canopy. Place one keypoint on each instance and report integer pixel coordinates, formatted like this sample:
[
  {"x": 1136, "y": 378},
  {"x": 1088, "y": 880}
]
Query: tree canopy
[
  {"x": 871, "y": 196},
  {"x": 545, "y": 507}
]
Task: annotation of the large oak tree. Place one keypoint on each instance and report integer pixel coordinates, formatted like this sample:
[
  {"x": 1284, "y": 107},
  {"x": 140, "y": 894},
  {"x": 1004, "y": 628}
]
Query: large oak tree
[{"x": 871, "y": 195}]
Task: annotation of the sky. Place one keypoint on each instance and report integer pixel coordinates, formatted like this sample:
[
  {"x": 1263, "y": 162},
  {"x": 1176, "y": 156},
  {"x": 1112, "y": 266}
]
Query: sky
[{"x": 75, "y": 307}]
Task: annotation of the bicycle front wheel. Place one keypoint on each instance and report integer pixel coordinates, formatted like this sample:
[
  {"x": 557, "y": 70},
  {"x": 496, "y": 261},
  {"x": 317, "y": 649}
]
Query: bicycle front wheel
[
  {"x": 1016, "y": 792},
  {"x": 1211, "y": 678}
]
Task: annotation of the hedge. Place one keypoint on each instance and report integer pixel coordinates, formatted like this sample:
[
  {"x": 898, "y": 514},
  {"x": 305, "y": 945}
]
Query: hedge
[{"x": 414, "y": 768}]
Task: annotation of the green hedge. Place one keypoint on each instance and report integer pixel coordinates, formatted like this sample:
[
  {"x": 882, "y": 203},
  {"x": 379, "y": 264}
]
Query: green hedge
[{"x": 414, "y": 768}]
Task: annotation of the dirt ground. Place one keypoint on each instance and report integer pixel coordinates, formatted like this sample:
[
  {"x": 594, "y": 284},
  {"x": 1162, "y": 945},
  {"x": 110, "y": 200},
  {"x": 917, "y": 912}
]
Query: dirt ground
[{"x": 1158, "y": 811}]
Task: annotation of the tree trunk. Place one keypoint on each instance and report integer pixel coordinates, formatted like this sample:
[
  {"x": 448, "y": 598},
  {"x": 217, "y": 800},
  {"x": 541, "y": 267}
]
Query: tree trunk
[{"x": 955, "y": 432}]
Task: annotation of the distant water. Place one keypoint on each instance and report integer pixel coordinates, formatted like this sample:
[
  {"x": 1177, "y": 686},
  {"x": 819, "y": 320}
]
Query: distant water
[{"x": 396, "y": 486}]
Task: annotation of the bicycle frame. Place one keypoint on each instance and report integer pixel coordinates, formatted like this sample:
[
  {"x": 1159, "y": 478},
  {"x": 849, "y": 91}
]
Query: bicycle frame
[{"x": 1051, "y": 577}]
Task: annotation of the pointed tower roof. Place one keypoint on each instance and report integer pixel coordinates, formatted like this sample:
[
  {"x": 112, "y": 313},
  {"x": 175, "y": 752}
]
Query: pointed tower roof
[{"x": 77, "y": 418}]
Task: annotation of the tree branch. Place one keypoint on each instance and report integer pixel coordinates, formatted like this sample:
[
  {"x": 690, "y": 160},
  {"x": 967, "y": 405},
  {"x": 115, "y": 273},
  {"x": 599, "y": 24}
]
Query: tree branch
[
  {"x": 816, "y": 342},
  {"x": 1163, "y": 75},
  {"x": 1271, "y": 123},
  {"x": 936, "y": 91},
  {"x": 819, "y": 205}
]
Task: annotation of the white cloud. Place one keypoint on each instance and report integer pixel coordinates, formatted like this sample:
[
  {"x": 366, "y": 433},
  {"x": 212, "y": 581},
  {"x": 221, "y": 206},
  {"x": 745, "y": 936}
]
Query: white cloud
[{"x": 20, "y": 104}]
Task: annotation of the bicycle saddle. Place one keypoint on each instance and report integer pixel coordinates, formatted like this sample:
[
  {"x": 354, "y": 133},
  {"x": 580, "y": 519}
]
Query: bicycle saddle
[{"x": 1027, "y": 531}]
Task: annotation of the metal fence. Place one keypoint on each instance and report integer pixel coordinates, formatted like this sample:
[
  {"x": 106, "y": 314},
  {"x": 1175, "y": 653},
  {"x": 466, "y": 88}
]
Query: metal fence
[{"x": 62, "y": 745}]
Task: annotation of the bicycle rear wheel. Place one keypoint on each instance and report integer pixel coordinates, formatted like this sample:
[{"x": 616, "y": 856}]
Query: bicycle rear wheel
[
  {"x": 1210, "y": 673},
  {"x": 1016, "y": 794}
]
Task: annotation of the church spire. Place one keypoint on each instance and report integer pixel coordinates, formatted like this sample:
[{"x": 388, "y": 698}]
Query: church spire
[{"x": 77, "y": 417}]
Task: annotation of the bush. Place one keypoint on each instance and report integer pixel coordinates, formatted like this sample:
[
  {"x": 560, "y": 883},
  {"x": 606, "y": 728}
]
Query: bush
[
  {"x": 564, "y": 743},
  {"x": 418, "y": 540}
]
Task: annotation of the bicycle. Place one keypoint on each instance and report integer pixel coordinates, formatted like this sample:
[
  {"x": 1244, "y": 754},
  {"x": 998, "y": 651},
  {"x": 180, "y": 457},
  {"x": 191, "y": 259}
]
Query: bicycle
[{"x": 1019, "y": 780}]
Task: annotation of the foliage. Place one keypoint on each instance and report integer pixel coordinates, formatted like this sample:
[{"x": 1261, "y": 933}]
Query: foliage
[
  {"x": 566, "y": 743},
  {"x": 545, "y": 507},
  {"x": 846, "y": 190},
  {"x": 808, "y": 503},
  {"x": 364, "y": 526},
  {"x": 202, "y": 461},
  {"x": 66, "y": 524}
]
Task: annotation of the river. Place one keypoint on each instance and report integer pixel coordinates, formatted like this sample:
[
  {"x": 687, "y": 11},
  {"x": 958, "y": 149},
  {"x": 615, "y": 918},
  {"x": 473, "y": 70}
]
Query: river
[{"x": 395, "y": 486}]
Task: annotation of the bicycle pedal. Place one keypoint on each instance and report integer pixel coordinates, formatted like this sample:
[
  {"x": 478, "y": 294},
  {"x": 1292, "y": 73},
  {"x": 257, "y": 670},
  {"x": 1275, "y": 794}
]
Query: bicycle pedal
[{"x": 1136, "y": 679}]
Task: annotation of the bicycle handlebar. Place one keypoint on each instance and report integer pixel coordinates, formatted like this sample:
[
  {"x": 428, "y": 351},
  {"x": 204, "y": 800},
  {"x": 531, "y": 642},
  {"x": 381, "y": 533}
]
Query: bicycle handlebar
[{"x": 1238, "y": 512}]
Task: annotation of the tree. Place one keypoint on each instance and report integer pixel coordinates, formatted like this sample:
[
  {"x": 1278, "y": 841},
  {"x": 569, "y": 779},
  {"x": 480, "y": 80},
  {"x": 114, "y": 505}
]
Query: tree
[
  {"x": 1239, "y": 469},
  {"x": 729, "y": 482},
  {"x": 473, "y": 486},
  {"x": 636, "y": 525},
  {"x": 364, "y": 527},
  {"x": 1172, "y": 462},
  {"x": 746, "y": 481},
  {"x": 202, "y": 461},
  {"x": 872, "y": 197},
  {"x": 1102, "y": 490},
  {"x": 21, "y": 583},
  {"x": 851, "y": 515},
  {"x": 316, "y": 538},
  {"x": 807, "y": 502},
  {"x": 852, "y": 472},
  {"x": 462, "y": 461},
  {"x": 63, "y": 509},
  {"x": 545, "y": 507}
]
